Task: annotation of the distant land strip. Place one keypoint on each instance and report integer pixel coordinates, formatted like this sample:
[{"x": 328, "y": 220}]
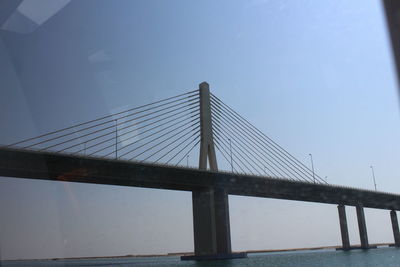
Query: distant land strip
[{"x": 173, "y": 254}]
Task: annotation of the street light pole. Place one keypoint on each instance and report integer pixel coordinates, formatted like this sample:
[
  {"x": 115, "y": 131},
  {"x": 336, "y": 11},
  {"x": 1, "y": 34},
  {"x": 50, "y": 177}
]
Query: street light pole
[
  {"x": 373, "y": 175},
  {"x": 312, "y": 166},
  {"x": 116, "y": 138},
  {"x": 230, "y": 147}
]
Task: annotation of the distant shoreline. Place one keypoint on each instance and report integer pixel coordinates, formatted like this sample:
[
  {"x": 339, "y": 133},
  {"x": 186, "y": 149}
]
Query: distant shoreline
[{"x": 174, "y": 254}]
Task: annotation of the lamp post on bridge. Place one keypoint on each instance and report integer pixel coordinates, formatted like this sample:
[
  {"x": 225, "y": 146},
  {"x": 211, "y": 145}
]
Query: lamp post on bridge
[
  {"x": 373, "y": 176},
  {"x": 230, "y": 148},
  {"x": 312, "y": 166},
  {"x": 116, "y": 138}
]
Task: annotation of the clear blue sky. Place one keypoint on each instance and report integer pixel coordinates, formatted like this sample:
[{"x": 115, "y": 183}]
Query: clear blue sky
[{"x": 316, "y": 76}]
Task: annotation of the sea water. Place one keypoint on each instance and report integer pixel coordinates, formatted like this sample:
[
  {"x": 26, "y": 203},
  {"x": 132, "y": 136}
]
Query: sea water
[{"x": 355, "y": 258}]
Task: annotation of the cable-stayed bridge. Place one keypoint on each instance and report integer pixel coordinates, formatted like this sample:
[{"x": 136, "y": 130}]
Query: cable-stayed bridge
[
  {"x": 167, "y": 131},
  {"x": 154, "y": 146}
]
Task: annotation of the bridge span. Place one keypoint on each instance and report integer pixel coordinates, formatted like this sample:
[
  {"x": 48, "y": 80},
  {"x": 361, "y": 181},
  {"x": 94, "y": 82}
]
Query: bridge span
[
  {"x": 63, "y": 167},
  {"x": 100, "y": 152}
]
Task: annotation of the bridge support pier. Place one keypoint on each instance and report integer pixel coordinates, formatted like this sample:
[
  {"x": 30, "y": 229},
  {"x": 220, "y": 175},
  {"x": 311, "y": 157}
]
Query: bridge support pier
[
  {"x": 212, "y": 238},
  {"x": 343, "y": 227},
  {"x": 395, "y": 227},
  {"x": 362, "y": 227},
  {"x": 212, "y": 233}
]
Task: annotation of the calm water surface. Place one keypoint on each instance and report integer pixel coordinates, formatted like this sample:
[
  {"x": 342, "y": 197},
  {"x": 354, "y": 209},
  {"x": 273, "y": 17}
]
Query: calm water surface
[{"x": 373, "y": 257}]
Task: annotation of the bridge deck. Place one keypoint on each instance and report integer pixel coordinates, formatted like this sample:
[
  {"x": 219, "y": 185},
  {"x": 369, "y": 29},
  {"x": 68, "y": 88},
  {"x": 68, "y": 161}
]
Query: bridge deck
[{"x": 60, "y": 167}]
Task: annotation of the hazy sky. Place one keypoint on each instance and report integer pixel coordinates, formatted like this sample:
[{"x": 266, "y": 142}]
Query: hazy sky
[{"x": 316, "y": 76}]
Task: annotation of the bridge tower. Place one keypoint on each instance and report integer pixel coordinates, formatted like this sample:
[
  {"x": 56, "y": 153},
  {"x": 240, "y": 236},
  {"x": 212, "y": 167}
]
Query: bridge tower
[{"x": 212, "y": 239}]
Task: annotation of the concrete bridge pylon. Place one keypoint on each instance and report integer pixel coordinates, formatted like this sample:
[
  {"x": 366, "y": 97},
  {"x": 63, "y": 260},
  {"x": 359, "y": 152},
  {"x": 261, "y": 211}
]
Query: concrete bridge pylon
[{"x": 212, "y": 238}]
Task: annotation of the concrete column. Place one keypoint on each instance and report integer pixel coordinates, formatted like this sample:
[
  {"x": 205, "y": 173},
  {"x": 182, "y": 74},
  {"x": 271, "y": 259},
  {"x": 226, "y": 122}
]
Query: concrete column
[
  {"x": 343, "y": 227},
  {"x": 205, "y": 239},
  {"x": 362, "y": 227},
  {"x": 210, "y": 206},
  {"x": 207, "y": 149},
  {"x": 211, "y": 222},
  {"x": 395, "y": 227},
  {"x": 222, "y": 221}
]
